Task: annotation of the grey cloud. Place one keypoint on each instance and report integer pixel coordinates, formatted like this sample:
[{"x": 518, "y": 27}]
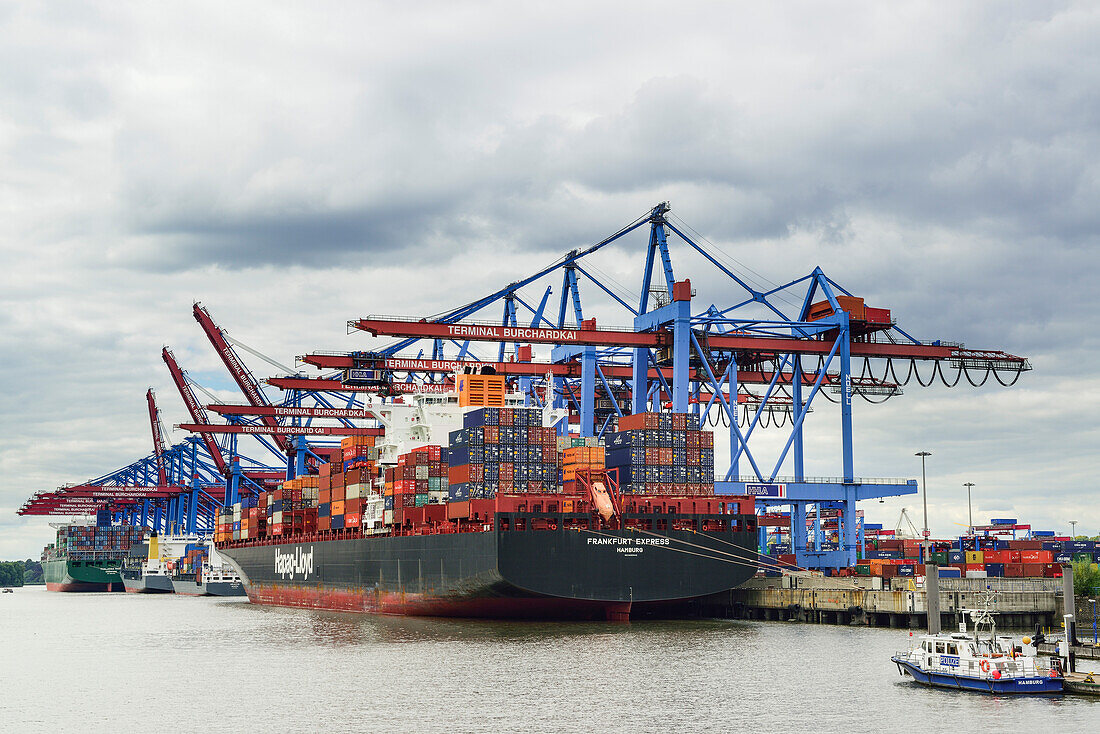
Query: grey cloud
[{"x": 941, "y": 164}]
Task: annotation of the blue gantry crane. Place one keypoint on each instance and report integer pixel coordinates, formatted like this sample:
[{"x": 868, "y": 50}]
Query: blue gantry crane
[
  {"x": 794, "y": 343},
  {"x": 762, "y": 360}
]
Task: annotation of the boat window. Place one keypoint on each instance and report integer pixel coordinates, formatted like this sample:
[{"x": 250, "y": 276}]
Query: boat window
[
  {"x": 940, "y": 649},
  {"x": 952, "y": 649}
]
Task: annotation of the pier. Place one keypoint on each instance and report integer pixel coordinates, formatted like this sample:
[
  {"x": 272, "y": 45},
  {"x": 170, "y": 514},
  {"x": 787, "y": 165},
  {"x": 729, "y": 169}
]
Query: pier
[{"x": 897, "y": 602}]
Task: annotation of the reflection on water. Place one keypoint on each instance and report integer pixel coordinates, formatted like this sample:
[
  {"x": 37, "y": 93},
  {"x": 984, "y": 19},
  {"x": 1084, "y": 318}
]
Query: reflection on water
[{"x": 98, "y": 662}]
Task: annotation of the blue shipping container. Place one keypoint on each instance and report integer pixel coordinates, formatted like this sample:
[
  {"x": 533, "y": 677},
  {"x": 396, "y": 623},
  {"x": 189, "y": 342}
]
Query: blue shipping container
[{"x": 947, "y": 572}]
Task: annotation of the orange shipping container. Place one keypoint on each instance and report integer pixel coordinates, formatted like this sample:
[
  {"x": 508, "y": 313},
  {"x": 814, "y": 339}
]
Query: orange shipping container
[{"x": 481, "y": 390}]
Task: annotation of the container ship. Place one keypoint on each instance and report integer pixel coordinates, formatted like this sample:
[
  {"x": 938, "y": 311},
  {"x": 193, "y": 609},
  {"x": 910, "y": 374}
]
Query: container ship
[
  {"x": 503, "y": 518},
  {"x": 150, "y": 566},
  {"x": 202, "y": 572},
  {"x": 88, "y": 557}
]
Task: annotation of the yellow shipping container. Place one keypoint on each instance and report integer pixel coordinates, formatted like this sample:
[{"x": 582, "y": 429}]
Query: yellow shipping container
[{"x": 975, "y": 557}]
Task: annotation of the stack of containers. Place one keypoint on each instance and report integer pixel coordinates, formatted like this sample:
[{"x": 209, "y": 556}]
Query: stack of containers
[
  {"x": 223, "y": 531},
  {"x": 292, "y": 507},
  {"x": 657, "y": 453},
  {"x": 236, "y": 521},
  {"x": 192, "y": 559},
  {"x": 418, "y": 480},
  {"x": 246, "y": 518},
  {"x": 92, "y": 543},
  {"x": 504, "y": 450},
  {"x": 580, "y": 459},
  {"x": 344, "y": 485},
  {"x": 358, "y": 452}
]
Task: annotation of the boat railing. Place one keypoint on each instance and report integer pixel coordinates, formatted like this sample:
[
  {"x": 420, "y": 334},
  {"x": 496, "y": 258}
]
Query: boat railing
[{"x": 1007, "y": 666}]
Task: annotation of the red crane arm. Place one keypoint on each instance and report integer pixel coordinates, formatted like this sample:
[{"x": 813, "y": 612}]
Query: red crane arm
[
  {"x": 510, "y": 369},
  {"x": 158, "y": 440},
  {"x": 207, "y": 429},
  {"x": 194, "y": 408},
  {"x": 763, "y": 345},
  {"x": 302, "y": 412},
  {"x": 244, "y": 379}
]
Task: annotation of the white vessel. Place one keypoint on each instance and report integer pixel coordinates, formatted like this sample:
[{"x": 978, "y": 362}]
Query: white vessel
[{"x": 983, "y": 661}]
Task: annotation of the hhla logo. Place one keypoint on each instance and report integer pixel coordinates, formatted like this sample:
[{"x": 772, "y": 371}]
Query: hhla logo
[{"x": 293, "y": 564}]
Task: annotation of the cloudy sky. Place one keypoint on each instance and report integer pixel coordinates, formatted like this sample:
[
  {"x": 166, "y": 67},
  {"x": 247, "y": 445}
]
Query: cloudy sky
[{"x": 294, "y": 168}]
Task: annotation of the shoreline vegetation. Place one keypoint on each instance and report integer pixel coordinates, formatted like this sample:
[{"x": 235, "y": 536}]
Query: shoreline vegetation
[{"x": 21, "y": 573}]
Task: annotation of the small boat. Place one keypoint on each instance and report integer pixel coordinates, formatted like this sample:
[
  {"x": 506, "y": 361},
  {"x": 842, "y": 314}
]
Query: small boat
[
  {"x": 983, "y": 661},
  {"x": 8, "y": 591}
]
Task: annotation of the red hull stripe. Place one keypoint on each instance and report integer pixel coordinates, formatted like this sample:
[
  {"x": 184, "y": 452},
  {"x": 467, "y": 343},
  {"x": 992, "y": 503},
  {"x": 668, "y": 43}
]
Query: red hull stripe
[
  {"x": 76, "y": 586},
  {"x": 351, "y": 600}
]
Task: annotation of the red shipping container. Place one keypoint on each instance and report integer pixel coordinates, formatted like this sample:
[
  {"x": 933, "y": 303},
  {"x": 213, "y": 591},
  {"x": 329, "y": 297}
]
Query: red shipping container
[
  {"x": 973, "y": 567},
  {"x": 351, "y": 520},
  {"x": 1014, "y": 570},
  {"x": 407, "y": 501},
  {"x": 1036, "y": 556},
  {"x": 787, "y": 559},
  {"x": 1033, "y": 570},
  {"x": 1052, "y": 570},
  {"x": 459, "y": 474}
]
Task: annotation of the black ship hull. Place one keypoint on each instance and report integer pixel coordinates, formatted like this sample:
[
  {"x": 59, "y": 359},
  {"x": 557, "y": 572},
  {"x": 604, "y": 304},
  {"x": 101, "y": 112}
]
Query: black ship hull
[{"x": 545, "y": 574}]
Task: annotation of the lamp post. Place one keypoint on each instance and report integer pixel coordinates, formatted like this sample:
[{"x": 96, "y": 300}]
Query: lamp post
[
  {"x": 924, "y": 490},
  {"x": 1093, "y": 603},
  {"x": 1072, "y": 529},
  {"x": 969, "y": 507}
]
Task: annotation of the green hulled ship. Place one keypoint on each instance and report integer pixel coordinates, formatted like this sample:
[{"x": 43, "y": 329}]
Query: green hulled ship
[
  {"x": 63, "y": 574},
  {"x": 88, "y": 557}
]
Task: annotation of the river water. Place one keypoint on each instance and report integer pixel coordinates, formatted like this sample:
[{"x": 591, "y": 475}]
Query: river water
[{"x": 122, "y": 662}]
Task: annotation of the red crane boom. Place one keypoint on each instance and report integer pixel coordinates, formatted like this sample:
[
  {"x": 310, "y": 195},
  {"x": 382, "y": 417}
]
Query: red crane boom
[
  {"x": 194, "y": 408},
  {"x": 158, "y": 440},
  {"x": 241, "y": 375}
]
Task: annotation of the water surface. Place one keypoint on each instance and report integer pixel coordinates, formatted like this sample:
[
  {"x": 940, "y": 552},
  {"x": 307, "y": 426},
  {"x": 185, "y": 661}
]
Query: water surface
[{"x": 124, "y": 662}]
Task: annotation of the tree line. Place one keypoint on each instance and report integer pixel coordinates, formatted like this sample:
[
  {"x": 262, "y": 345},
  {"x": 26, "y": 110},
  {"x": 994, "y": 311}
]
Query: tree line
[{"x": 18, "y": 573}]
